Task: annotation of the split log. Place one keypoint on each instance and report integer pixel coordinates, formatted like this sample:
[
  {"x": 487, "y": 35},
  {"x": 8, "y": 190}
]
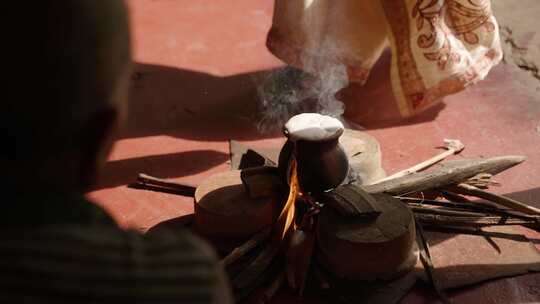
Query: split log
[
  {"x": 359, "y": 249},
  {"x": 452, "y": 172},
  {"x": 224, "y": 210},
  {"x": 262, "y": 182},
  {"x": 350, "y": 200}
]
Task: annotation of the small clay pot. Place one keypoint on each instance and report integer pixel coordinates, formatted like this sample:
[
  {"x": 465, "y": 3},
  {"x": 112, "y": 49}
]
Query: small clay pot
[
  {"x": 313, "y": 140},
  {"x": 322, "y": 165}
]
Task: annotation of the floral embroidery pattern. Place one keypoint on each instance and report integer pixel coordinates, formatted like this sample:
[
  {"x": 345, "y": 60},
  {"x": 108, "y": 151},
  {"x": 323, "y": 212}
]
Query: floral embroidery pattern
[{"x": 449, "y": 18}]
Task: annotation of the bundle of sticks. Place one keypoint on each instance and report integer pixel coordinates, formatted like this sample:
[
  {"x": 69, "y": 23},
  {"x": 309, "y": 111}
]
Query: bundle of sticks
[{"x": 441, "y": 196}]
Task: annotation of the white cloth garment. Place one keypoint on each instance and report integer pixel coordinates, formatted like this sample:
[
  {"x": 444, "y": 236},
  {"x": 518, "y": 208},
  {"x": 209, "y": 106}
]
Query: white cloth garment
[{"x": 438, "y": 46}]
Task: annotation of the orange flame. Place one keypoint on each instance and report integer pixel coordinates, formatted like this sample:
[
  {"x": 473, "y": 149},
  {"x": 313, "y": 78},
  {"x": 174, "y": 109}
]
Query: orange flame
[{"x": 286, "y": 217}]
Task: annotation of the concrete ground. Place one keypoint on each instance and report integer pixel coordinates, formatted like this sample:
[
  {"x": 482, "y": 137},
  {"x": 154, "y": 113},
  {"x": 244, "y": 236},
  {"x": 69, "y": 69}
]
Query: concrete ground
[{"x": 198, "y": 64}]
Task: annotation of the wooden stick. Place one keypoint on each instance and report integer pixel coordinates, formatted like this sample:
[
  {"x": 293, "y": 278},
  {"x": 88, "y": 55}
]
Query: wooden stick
[
  {"x": 159, "y": 189},
  {"x": 279, "y": 232},
  {"x": 146, "y": 179},
  {"x": 472, "y": 221},
  {"x": 418, "y": 208},
  {"x": 470, "y": 206},
  {"x": 454, "y": 197},
  {"x": 441, "y": 203},
  {"x": 242, "y": 250},
  {"x": 257, "y": 267},
  {"x": 425, "y": 258},
  {"x": 499, "y": 199},
  {"x": 255, "y": 287},
  {"x": 449, "y": 173},
  {"x": 453, "y": 146}
]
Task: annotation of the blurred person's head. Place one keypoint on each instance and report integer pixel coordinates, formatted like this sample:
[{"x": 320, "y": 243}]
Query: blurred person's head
[{"x": 66, "y": 66}]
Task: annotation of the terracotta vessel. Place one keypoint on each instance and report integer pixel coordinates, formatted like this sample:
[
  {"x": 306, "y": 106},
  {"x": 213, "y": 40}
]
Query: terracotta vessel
[{"x": 322, "y": 162}]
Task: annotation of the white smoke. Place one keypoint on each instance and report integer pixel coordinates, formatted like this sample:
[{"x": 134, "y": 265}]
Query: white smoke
[
  {"x": 330, "y": 77},
  {"x": 289, "y": 91}
]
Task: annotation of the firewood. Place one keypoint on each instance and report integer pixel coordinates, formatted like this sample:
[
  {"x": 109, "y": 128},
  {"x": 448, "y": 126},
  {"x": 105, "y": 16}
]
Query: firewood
[
  {"x": 452, "y": 196},
  {"x": 157, "y": 184},
  {"x": 425, "y": 258},
  {"x": 483, "y": 221},
  {"x": 242, "y": 250},
  {"x": 161, "y": 189},
  {"x": 449, "y": 173},
  {"x": 418, "y": 208},
  {"x": 298, "y": 259},
  {"x": 452, "y": 146},
  {"x": 482, "y": 181},
  {"x": 262, "y": 182},
  {"x": 350, "y": 200},
  {"x": 367, "y": 249},
  {"x": 281, "y": 228},
  {"x": 257, "y": 267},
  {"x": 498, "y": 199},
  {"x": 470, "y": 206},
  {"x": 224, "y": 210},
  {"x": 257, "y": 290}
]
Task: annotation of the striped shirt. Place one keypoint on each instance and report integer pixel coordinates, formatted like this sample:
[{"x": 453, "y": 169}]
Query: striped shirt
[{"x": 63, "y": 250}]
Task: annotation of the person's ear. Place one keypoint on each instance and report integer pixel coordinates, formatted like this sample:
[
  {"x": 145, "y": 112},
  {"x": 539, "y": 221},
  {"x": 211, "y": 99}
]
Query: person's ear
[{"x": 96, "y": 142}]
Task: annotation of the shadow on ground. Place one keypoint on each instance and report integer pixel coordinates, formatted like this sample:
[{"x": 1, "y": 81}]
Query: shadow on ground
[
  {"x": 125, "y": 171},
  {"x": 199, "y": 106}
]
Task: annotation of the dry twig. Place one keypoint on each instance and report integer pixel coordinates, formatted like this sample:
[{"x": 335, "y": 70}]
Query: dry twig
[
  {"x": 453, "y": 146},
  {"x": 155, "y": 183},
  {"x": 498, "y": 199},
  {"x": 444, "y": 220},
  {"x": 425, "y": 258}
]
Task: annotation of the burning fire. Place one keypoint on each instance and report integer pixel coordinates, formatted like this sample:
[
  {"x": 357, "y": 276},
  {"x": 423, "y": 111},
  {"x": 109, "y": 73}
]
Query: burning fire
[{"x": 286, "y": 217}]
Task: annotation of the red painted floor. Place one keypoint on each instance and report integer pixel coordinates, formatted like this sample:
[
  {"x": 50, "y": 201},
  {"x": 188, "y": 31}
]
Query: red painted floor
[{"x": 197, "y": 68}]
